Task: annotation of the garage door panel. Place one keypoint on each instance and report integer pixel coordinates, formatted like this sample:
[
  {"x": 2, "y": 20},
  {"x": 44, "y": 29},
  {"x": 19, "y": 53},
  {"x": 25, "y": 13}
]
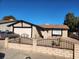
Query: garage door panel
[{"x": 21, "y": 31}]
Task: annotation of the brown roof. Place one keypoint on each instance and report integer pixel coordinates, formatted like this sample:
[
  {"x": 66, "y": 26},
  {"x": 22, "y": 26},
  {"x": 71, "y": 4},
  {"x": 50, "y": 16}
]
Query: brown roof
[
  {"x": 55, "y": 26},
  {"x": 6, "y": 21}
]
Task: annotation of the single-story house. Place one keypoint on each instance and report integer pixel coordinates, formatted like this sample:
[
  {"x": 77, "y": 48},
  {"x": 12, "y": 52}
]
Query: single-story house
[{"x": 34, "y": 31}]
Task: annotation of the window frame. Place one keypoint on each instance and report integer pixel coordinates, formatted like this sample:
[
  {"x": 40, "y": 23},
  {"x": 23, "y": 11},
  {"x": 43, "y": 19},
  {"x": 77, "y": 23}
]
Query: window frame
[{"x": 56, "y": 34}]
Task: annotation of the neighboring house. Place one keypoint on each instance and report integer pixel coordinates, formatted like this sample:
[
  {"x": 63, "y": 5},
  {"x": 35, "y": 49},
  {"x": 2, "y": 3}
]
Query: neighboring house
[
  {"x": 4, "y": 23},
  {"x": 35, "y": 31}
]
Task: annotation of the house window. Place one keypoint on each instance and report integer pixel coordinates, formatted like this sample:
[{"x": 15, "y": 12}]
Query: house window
[{"x": 57, "y": 32}]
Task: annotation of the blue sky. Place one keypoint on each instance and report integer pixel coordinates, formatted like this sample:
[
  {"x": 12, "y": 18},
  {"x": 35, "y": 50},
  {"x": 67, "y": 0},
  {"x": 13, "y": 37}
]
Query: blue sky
[{"x": 39, "y": 11}]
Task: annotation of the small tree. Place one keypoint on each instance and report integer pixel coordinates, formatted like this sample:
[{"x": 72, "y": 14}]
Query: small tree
[{"x": 70, "y": 21}]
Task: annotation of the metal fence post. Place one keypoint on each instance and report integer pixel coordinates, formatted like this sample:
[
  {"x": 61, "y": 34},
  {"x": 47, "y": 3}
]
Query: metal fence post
[{"x": 73, "y": 51}]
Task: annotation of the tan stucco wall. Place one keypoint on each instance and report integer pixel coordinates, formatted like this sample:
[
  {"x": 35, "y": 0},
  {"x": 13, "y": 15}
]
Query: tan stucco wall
[
  {"x": 41, "y": 49},
  {"x": 48, "y": 34},
  {"x": 46, "y": 50},
  {"x": 64, "y": 33},
  {"x": 44, "y": 34},
  {"x": 24, "y": 24},
  {"x": 76, "y": 51},
  {"x": 18, "y": 24},
  {"x": 35, "y": 33}
]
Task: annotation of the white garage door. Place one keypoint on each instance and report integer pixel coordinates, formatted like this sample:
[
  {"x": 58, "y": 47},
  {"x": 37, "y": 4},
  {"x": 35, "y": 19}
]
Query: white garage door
[{"x": 21, "y": 31}]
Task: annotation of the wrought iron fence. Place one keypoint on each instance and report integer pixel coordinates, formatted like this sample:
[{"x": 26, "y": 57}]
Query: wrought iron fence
[
  {"x": 55, "y": 43},
  {"x": 21, "y": 40}
]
